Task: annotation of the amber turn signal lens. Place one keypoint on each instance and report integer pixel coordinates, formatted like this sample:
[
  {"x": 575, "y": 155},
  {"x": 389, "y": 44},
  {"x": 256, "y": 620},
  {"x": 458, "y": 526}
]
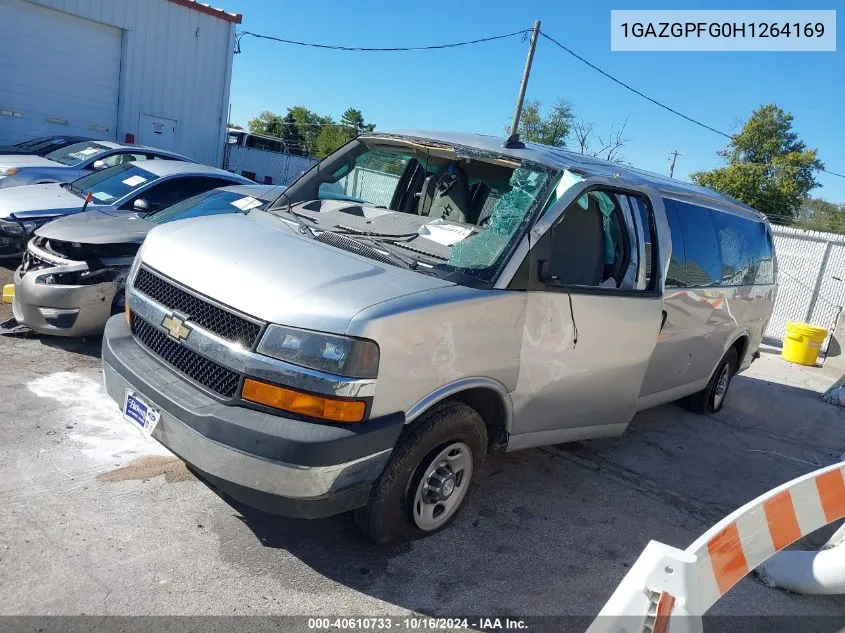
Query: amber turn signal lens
[
  {"x": 303, "y": 403},
  {"x": 126, "y": 312}
]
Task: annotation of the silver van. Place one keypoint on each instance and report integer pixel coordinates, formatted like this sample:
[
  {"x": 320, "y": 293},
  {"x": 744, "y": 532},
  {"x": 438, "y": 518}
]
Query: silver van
[{"x": 417, "y": 300}]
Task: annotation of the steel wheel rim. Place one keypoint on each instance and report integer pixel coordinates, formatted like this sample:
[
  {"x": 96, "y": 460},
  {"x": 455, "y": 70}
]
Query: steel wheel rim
[
  {"x": 722, "y": 386},
  {"x": 431, "y": 513}
]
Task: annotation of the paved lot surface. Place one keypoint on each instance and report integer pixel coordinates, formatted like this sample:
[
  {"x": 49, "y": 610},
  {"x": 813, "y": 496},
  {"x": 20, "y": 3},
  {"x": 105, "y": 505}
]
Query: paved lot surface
[{"x": 97, "y": 521}]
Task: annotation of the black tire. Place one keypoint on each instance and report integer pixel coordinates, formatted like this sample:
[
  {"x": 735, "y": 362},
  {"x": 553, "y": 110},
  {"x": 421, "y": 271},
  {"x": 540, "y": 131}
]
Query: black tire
[
  {"x": 388, "y": 518},
  {"x": 707, "y": 400}
]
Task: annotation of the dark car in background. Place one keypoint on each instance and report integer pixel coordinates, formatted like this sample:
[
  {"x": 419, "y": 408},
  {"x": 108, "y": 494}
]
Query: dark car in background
[{"x": 41, "y": 146}]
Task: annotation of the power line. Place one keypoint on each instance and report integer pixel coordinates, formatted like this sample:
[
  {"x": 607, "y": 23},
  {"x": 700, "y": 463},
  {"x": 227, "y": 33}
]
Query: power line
[
  {"x": 654, "y": 101},
  {"x": 369, "y": 49},
  {"x": 632, "y": 89},
  {"x": 523, "y": 32}
]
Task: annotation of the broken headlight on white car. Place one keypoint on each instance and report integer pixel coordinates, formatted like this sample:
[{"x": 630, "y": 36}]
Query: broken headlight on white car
[
  {"x": 331, "y": 353},
  {"x": 80, "y": 278}
]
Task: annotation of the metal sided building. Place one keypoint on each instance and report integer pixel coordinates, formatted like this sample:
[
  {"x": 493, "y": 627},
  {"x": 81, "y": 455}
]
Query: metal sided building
[{"x": 153, "y": 72}]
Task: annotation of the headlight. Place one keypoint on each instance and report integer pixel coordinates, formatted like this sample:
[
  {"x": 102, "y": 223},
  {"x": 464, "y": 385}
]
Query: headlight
[
  {"x": 8, "y": 171},
  {"x": 12, "y": 227},
  {"x": 342, "y": 355},
  {"x": 133, "y": 270}
]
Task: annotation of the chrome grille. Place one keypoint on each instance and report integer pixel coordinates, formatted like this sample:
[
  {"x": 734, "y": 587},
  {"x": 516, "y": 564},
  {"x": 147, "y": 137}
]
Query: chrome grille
[
  {"x": 225, "y": 324},
  {"x": 218, "y": 379}
]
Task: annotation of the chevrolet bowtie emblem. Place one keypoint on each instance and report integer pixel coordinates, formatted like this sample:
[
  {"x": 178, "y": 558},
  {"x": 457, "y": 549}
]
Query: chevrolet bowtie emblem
[{"x": 175, "y": 327}]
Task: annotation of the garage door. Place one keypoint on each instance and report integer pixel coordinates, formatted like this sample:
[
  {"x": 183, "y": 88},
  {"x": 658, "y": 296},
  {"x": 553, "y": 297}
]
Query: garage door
[{"x": 60, "y": 74}]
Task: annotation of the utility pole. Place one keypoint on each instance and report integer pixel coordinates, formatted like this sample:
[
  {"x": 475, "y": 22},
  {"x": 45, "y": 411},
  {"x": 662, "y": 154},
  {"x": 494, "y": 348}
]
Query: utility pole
[
  {"x": 674, "y": 156},
  {"x": 524, "y": 84}
]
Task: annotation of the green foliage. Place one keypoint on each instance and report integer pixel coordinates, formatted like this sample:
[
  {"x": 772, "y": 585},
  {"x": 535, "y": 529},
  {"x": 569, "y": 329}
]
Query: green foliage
[
  {"x": 310, "y": 134},
  {"x": 820, "y": 215},
  {"x": 768, "y": 166},
  {"x": 548, "y": 129},
  {"x": 235, "y": 126},
  {"x": 267, "y": 123},
  {"x": 332, "y": 137}
]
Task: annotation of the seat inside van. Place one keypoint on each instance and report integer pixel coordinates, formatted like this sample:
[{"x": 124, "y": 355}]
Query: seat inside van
[{"x": 578, "y": 246}]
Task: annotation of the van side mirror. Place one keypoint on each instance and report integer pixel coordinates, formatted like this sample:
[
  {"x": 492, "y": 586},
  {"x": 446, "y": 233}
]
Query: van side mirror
[
  {"x": 99, "y": 164},
  {"x": 141, "y": 205}
]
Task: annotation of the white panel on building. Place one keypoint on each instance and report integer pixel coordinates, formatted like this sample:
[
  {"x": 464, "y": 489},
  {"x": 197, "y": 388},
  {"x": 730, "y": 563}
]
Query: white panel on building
[
  {"x": 156, "y": 71},
  {"x": 60, "y": 73}
]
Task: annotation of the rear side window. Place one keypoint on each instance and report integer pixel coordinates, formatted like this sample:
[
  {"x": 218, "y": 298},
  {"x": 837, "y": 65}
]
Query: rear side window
[
  {"x": 766, "y": 266},
  {"x": 703, "y": 266},
  {"x": 744, "y": 245},
  {"x": 677, "y": 275}
]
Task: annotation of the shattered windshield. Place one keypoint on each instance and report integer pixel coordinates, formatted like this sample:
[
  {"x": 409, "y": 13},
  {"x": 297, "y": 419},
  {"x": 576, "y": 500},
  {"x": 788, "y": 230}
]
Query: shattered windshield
[{"x": 434, "y": 209}]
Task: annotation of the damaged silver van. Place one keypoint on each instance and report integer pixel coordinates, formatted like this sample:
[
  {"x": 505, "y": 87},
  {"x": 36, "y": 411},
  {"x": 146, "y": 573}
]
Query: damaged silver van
[{"x": 417, "y": 300}]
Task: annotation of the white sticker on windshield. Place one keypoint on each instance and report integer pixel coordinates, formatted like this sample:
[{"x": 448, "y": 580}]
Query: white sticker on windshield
[
  {"x": 244, "y": 204},
  {"x": 134, "y": 181},
  {"x": 442, "y": 233},
  {"x": 88, "y": 151},
  {"x": 101, "y": 196}
]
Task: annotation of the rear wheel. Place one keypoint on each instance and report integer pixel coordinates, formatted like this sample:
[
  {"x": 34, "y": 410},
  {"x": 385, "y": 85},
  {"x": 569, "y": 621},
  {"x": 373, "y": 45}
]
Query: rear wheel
[
  {"x": 712, "y": 397},
  {"x": 427, "y": 479}
]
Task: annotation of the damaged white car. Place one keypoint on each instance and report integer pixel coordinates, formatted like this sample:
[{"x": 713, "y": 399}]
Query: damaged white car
[{"x": 72, "y": 275}]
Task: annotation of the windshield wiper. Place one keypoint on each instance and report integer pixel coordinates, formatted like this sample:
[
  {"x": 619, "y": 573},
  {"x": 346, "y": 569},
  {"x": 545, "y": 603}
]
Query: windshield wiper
[
  {"x": 69, "y": 186},
  {"x": 303, "y": 226},
  {"x": 412, "y": 264},
  {"x": 348, "y": 230},
  {"x": 414, "y": 249}
]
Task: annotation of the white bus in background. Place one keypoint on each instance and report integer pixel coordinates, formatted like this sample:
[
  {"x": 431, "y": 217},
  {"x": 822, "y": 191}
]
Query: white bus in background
[{"x": 264, "y": 159}]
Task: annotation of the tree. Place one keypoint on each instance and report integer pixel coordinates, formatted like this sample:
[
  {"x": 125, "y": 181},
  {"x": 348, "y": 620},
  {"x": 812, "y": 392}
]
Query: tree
[
  {"x": 307, "y": 133},
  {"x": 308, "y": 124},
  {"x": 332, "y": 137},
  {"x": 294, "y": 142},
  {"x": 816, "y": 214},
  {"x": 353, "y": 118},
  {"x": 267, "y": 123},
  {"x": 590, "y": 142},
  {"x": 235, "y": 126},
  {"x": 768, "y": 166},
  {"x": 549, "y": 129}
]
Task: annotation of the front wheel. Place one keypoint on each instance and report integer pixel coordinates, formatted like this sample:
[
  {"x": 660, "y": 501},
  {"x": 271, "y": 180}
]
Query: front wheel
[
  {"x": 712, "y": 397},
  {"x": 427, "y": 479}
]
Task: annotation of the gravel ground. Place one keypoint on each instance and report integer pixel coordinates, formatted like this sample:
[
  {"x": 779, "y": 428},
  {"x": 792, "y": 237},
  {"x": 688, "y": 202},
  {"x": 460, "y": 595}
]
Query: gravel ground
[{"x": 98, "y": 521}]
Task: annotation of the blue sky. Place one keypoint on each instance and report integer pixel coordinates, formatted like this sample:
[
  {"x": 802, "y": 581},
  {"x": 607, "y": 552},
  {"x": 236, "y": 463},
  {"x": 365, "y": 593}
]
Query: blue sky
[{"x": 474, "y": 88}]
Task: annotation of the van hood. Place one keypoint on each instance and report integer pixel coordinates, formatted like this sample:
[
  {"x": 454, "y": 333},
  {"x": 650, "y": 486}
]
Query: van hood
[
  {"x": 261, "y": 266},
  {"x": 96, "y": 227},
  {"x": 38, "y": 201},
  {"x": 27, "y": 160}
]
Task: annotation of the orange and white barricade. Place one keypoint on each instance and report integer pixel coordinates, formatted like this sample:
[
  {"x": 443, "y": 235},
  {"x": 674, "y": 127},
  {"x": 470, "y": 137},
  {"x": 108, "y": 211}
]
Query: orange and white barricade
[{"x": 668, "y": 590}]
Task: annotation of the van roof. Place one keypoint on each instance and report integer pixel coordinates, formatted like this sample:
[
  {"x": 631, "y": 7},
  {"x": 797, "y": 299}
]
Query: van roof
[{"x": 560, "y": 158}]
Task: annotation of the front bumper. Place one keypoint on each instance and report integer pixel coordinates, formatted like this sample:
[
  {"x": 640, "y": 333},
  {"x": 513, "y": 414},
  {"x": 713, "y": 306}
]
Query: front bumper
[
  {"x": 286, "y": 466},
  {"x": 62, "y": 310}
]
